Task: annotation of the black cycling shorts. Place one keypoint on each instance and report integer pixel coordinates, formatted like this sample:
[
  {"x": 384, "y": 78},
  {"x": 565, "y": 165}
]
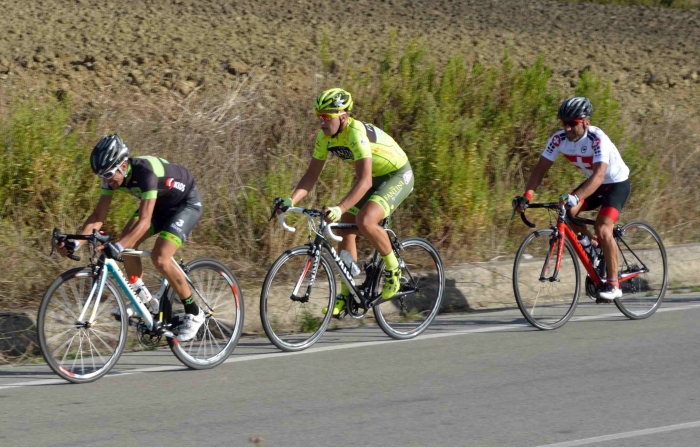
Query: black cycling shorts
[
  {"x": 176, "y": 223},
  {"x": 610, "y": 197}
]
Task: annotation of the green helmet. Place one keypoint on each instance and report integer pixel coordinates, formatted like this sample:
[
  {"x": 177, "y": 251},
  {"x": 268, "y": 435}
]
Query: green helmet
[{"x": 334, "y": 99}]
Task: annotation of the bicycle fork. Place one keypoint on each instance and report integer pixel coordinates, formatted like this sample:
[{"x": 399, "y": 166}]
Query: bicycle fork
[{"x": 556, "y": 247}]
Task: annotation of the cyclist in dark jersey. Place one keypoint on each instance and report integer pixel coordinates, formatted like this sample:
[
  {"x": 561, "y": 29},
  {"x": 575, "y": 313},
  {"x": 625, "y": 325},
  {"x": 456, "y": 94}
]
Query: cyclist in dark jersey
[{"x": 170, "y": 206}]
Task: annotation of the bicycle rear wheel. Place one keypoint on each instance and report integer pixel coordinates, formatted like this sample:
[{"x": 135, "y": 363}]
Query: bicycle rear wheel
[
  {"x": 76, "y": 352},
  {"x": 291, "y": 322},
  {"x": 545, "y": 304},
  {"x": 223, "y": 323},
  {"x": 423, "y": 278},
  {"x": 641, "y": 248}
]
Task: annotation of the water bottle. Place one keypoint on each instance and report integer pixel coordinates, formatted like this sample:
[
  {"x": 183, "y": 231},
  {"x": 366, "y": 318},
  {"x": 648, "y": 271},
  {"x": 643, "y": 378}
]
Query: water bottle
[
  {"x": 585, "y": 243},
  {"x": 349, "y": 262},
  {"x": 143, "y": 294}
]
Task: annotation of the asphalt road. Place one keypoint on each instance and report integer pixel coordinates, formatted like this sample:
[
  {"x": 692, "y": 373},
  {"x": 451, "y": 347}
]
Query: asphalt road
[{"x": 483, "y": 379}]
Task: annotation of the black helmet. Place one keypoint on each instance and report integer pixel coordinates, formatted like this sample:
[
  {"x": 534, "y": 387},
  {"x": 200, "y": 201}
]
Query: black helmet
[
  {"x": 575, "y": 107},
  {"x": 109, "y": 152}
]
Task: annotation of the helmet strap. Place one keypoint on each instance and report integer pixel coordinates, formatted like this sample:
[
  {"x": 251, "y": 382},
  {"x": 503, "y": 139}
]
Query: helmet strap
[{"x": 124, "y": 172}]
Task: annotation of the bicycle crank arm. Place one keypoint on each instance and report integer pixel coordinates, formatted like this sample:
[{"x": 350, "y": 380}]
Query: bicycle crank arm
[
  {"x": 377, "y": 300},
  {"x": 159, "y": 328}
]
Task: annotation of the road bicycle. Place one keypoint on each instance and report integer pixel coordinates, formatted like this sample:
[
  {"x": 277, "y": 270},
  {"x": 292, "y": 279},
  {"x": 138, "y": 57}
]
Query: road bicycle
[
  {"x": 547, "y": 277},
  {"x": 82, "y": 336},
  {"x": 301, "y": 282}
]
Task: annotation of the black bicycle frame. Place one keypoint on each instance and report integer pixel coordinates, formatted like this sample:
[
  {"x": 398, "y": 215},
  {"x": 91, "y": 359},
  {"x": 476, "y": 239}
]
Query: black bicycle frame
[{"x": 361, "y": 297}]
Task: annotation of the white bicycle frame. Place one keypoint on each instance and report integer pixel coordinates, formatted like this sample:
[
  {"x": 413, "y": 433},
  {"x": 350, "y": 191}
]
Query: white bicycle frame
[{"x": 111, "y": 267}]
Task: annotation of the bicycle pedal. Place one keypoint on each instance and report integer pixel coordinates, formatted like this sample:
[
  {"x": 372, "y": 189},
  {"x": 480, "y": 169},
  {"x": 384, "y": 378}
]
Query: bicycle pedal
[
  {"x": 343, "y": 313},
  {"x": 600, "y": 300}
]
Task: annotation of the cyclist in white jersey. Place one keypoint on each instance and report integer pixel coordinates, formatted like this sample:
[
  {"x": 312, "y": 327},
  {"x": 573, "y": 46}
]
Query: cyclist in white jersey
[{"x": 607, "y": 182}]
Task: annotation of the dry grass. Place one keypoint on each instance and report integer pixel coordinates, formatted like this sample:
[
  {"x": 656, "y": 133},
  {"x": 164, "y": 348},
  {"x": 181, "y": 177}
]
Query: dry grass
[{"x": 243, "y": 155}]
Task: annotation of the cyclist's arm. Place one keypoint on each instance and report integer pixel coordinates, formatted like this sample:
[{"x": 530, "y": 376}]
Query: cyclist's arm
[
  {"x": 93, "y": 222},
  {"x": 595, "y": 180},
  {"x": 98, "y": 216},
  {"x": 308, "y": 180},
  {"x": 363, "y": 175},
  {"x": 537, "y": 175},
  {"x": 141, "y": 228}
]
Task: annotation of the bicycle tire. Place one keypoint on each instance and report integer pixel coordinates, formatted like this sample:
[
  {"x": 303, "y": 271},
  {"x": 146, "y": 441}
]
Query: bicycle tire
[
  {"x": 566, "y": 309},
  {"x": 49, "y": 320},
  {"x": 634, "y": 305},
  {"x": 286, "y": 332},
  {"x": 224, "y": 317},
  {"x": 397, "y": 317}
]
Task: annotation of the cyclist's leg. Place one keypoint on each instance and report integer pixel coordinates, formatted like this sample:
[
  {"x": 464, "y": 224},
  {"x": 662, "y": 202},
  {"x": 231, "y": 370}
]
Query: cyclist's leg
[
  {"x": 349, "y": 236},
  {"x": 614, "y": 199},
  {"x": 175, "y": 230},
  {"x": 397, "y": 186},
  {"x": 590, "y": 203},
  {"x": 132, "y": 264},
  {"x": 391, "y": 191},
  {"x": 348, "y": 243}
]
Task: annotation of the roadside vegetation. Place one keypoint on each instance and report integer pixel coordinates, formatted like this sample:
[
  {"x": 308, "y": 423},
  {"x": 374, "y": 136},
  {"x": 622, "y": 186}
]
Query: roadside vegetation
[{"x": 472, "y": 133}]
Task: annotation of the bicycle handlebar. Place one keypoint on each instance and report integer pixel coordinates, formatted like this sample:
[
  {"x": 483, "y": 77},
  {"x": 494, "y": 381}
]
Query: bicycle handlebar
[
  {"x": 525, "y": 221},
  {"x": 330, "y": 234},
  {"x": 549, "y": 205},
  {"x": 286, "y": 227},
  {"x": 327, "y": 230},
  {"x": 95, "y": 237}
]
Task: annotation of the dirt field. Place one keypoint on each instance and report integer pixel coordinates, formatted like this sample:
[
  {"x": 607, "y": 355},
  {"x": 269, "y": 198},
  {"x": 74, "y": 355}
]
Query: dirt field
[{"x": 91, "y": 47}]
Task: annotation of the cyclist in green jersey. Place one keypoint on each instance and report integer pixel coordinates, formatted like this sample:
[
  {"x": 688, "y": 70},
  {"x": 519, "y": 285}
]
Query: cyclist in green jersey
[
  {"x": 383, "y": 179},
  {"x": 170, "y": 205}
]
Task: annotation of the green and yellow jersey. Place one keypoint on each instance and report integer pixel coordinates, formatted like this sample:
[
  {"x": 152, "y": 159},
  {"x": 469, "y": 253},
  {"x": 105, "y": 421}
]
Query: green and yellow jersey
[{"x": 362, "y": 140}]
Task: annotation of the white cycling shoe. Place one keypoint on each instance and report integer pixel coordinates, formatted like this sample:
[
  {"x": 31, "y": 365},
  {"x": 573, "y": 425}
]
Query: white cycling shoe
[
  {"x": 189, "y": 327},
  {"x": 610, "y": 292}
]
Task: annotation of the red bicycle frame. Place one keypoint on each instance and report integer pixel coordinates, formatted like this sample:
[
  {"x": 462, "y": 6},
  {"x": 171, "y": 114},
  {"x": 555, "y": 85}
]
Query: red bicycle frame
[{"x": 563, "y": 231}]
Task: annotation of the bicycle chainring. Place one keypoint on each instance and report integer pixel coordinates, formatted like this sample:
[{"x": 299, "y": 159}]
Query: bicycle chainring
[
  {"x": 355, "y": 310},
  {"x": 147, "y": 339},
  {"x": 591, "y": 289}
]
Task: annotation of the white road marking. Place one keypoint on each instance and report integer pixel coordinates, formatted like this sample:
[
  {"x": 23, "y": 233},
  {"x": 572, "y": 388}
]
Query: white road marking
[
  {"x": 629, "y": 434},
  {"x": 314, "y": 350}
]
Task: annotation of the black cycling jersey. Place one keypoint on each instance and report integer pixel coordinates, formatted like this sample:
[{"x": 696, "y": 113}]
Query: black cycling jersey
[{"x": 155, "y": 178}]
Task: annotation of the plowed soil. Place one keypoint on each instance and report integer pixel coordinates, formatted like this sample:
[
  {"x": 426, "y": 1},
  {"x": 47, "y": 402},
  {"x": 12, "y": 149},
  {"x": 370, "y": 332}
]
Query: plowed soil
[{"x": 156, "y": 47}]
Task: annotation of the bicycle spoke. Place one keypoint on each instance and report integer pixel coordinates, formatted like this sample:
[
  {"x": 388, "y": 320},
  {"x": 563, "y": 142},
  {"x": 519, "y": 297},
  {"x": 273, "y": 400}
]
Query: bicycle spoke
[
  {"x": 409, "y": 315},
  {"x": 76, "y": 353},
  {"x": 290, "y": 324},
  {"x": 641, "y": 250},
  {"x": 545, "y": 304},
  {"x": 215, "y": 293}
]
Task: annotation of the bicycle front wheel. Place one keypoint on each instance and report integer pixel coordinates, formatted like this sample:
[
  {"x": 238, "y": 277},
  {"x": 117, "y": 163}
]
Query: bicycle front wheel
[
  {"x": 545, "y": 303},
  {"x": 641, "y": 249},
  {"x": 417, "y": 304},
  {"x": 223, "y": 312},
  {"x": 292, "y": 321},
  {"x": 78, "y": 352}
]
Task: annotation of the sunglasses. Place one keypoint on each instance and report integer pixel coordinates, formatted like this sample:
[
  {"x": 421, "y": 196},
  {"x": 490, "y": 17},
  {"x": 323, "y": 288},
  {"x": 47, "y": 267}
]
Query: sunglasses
[
  {"x": 572, "y": 123},
  {"x": 328, "y": 116},
  {"x": 109, "y": 174}
]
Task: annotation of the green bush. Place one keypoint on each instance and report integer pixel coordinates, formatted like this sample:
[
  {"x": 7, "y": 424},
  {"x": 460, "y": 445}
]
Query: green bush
[{"x": 472, "y": 134}]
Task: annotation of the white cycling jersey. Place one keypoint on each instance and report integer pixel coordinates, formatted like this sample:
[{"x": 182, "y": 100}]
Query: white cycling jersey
[{"x": 594, "y": 147}]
